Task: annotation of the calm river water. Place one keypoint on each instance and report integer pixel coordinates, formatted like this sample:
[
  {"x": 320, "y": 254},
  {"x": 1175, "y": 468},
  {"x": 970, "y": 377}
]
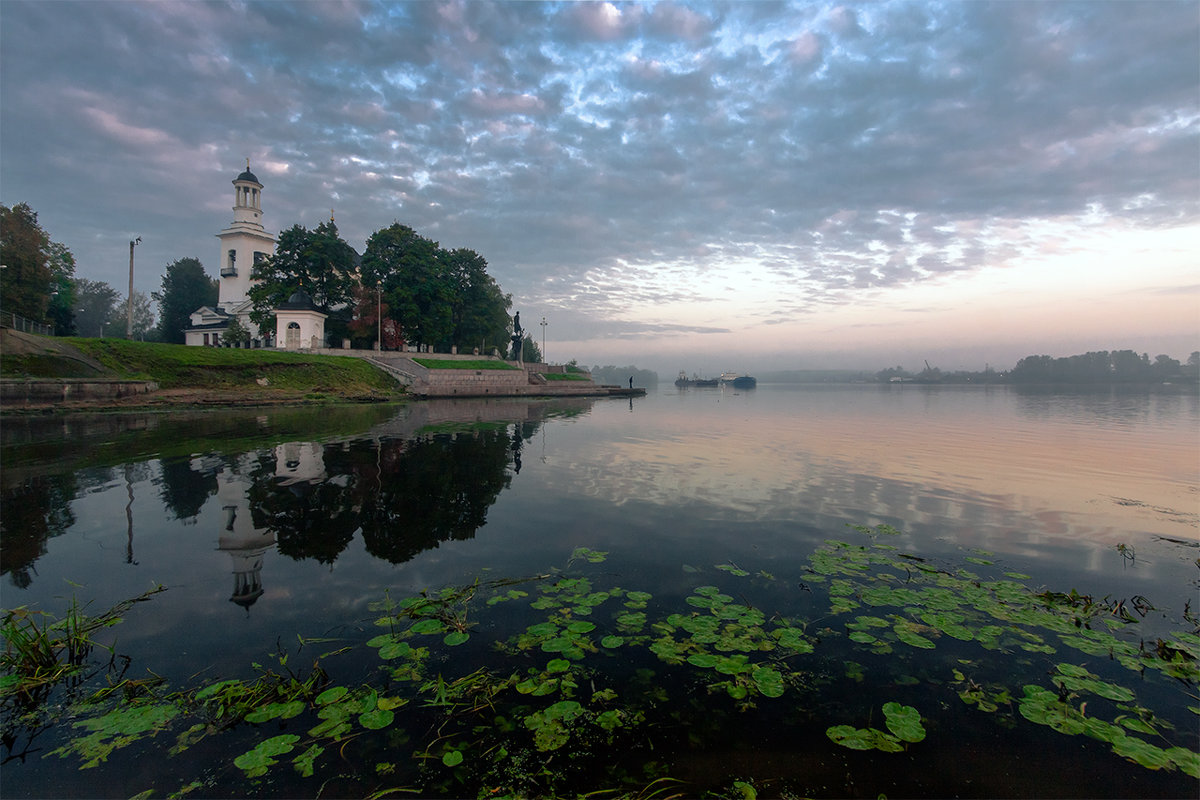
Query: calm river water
[{"x": 281, "y": 534}]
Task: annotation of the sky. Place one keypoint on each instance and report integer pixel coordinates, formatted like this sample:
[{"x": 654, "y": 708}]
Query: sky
[{"x": 742, "y": 186}]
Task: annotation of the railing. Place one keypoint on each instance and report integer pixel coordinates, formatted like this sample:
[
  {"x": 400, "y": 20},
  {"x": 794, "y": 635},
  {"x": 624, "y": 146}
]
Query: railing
[{"x": 17, "y": 322}]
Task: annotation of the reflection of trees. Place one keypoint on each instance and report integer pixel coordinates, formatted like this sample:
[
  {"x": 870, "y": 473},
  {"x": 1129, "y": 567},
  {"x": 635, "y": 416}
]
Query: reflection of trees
[
  {"x": 185, "y": 490},
  {"x": 33, "y": 512},
  {"x": 313, "y": 518},
  {"x": 406, "y": 495},
  {"x": 434, "y": 488}
]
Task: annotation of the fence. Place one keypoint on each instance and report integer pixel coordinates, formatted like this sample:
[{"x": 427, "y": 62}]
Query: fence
[{"x": 17, "y": 322}]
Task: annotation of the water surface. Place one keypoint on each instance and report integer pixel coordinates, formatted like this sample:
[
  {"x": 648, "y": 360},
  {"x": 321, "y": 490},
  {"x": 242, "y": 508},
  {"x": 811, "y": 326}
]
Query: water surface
[{"x": 273, "y": 528}]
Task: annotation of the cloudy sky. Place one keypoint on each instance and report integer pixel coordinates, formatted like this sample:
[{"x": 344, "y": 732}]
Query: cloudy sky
[{"x": 744, "y": 186}]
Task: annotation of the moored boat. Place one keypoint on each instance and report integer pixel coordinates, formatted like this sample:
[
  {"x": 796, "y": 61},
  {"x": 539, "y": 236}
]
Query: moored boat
[
  {"x": 684, "y": 381},
  {"x": 739, "y": 381}
]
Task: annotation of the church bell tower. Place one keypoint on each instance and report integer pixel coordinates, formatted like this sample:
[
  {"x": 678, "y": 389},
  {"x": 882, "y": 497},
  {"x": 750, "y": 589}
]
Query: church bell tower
[{"x": 243, "y": 244}]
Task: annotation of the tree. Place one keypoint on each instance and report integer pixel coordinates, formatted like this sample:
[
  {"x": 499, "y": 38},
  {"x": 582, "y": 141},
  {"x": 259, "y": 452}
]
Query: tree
[
  {"x": 478, "y": 309},
  {"x": 26, "y": 280},
  {"x": 530, "y": 354},
  {"x": 143, "y": 317},
  {"x": 366, "y": 326},
  {"x": 407, "y": 268},
  {"x": 185, "y": 288},
  {"x": 318, "y": 261},
  {"x": 236, "y": 332},
  {"x": 1165, "y": 368},
  {"x": 62, "y": 291},
  {"x": 96, "y": 308},
  {"x": 1192, "y": 368}
]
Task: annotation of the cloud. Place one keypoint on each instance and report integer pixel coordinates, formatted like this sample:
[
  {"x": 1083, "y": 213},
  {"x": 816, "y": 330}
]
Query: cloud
[{"x": 613, "y": 156}]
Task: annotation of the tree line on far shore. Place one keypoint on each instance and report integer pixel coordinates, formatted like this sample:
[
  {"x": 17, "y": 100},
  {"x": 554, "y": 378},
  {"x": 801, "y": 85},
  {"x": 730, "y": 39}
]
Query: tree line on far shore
[{"x": 1097, "y": 367}]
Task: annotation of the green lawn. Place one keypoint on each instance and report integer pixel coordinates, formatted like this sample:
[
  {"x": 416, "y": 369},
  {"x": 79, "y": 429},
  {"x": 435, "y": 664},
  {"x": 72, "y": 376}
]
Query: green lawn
[{"x": 175, "y": 366}]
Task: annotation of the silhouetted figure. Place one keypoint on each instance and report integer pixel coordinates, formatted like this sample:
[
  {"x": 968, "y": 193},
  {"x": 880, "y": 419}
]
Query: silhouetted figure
[
  {"x": 630, "y": 381},
  {"x": 517, "y": 337}
]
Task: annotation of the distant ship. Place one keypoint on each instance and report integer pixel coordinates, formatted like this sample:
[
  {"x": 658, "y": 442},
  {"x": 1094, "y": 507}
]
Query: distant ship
[
  {"x": 683, "y": 381},
  {"x": 738, "y": 381}
]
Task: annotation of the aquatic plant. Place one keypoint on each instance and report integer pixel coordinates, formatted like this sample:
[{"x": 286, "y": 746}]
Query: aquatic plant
[
  {"x": 607, "y": 680},
  {"x": 903, "y": 724},
  {"x": 41, "y": 650}
]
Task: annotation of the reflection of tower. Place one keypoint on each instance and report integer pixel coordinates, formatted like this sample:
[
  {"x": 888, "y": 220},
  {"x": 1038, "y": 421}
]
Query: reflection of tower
[
  {"x": 244, "y": 543},
  {"x": 299, "y": 462}
]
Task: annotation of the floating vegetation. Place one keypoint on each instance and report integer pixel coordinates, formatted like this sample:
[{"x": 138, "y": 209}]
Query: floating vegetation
[
  {"x": 602, "y": 682},
  {"x": 41, "y": 652},
  {"x": 903, "y": 724}
]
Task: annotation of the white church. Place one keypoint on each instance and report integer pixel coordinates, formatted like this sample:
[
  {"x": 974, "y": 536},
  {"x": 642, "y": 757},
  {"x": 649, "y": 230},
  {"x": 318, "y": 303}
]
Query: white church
[{"x": 298, "y": 323}]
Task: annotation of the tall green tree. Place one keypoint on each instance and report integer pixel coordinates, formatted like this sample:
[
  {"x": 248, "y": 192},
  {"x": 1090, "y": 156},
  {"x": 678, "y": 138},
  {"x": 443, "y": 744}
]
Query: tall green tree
[
  {"x": 26, "y": 280},
  {"x": 185, "y": 288},
  {"x": 96, "y": 310},
  {"x": 406, "y": 266},
  {"x": 478, "y": 309},
  {"x": 318, "y": 261}
]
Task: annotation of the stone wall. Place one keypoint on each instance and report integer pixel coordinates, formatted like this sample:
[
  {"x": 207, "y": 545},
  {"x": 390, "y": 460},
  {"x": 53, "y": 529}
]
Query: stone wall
[
  {"x": 474, "y": 382},
  {"x": 43, "y": 392}
]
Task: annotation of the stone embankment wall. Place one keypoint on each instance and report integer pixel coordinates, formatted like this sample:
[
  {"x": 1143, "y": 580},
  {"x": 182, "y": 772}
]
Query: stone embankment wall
[{"x": 43, "y": 392}]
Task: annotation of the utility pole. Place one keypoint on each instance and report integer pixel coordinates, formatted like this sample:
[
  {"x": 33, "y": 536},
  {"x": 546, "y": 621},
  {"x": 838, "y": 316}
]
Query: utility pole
[
  {"x": 129, "y": 313},
  {"x": 543, "y": 324}
]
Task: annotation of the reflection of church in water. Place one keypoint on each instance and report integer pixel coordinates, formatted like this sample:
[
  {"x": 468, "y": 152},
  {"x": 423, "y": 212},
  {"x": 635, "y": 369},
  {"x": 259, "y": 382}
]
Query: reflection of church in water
[{"x": 296, "y": 464}]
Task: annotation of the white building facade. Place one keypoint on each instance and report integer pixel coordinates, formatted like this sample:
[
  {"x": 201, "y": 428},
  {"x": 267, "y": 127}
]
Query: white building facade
[{"x": 243, "y": 244}]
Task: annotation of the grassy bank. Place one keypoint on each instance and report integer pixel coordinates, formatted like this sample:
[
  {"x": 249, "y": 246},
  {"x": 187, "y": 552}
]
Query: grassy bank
[
  {"x": 200, "y": 369},
  {"x": 176, "y": 366}
]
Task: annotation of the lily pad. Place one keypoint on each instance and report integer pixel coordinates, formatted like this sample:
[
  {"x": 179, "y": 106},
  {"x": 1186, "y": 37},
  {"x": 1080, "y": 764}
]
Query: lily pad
[
  {"x": 904, "y": 722},
  {"x": 376, "y": 719},
  {"x": 863, "y": 739}
]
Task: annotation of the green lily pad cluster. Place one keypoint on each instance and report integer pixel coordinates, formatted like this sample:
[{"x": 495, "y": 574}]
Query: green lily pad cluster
[
  {"x": 903, "y": 727},
  {"x": 733, "y": 640},
  {"x": 935, "y": 605},
  {"x": 443, "y": 613},
  {"x": 1044, "y": 707},
  {"x": 536, "y": 710}
]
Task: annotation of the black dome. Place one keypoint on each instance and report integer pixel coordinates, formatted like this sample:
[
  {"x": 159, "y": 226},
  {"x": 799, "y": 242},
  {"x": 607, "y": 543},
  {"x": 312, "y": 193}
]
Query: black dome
[
  {"x": 248, "y": 176},
  {"x": 300, "y": 299}
]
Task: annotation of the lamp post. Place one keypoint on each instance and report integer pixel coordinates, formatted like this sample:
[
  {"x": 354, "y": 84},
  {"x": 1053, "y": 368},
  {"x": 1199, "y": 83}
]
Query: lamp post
[
  {"x": 129, "y": 313},
  {"x": 543, "y": 324},
  {"x": 379, "y": 318}
]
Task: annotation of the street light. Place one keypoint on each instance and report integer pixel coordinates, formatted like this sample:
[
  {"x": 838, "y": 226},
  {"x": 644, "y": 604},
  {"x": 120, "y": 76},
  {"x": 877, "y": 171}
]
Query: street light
[
  {"x": 129, "y": 313},
  {"x": 543, "y": 324}
]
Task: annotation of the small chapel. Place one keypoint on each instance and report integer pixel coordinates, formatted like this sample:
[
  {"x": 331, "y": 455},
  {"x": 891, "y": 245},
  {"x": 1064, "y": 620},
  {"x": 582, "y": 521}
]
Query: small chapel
[{"x": 299, "y": 325}]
